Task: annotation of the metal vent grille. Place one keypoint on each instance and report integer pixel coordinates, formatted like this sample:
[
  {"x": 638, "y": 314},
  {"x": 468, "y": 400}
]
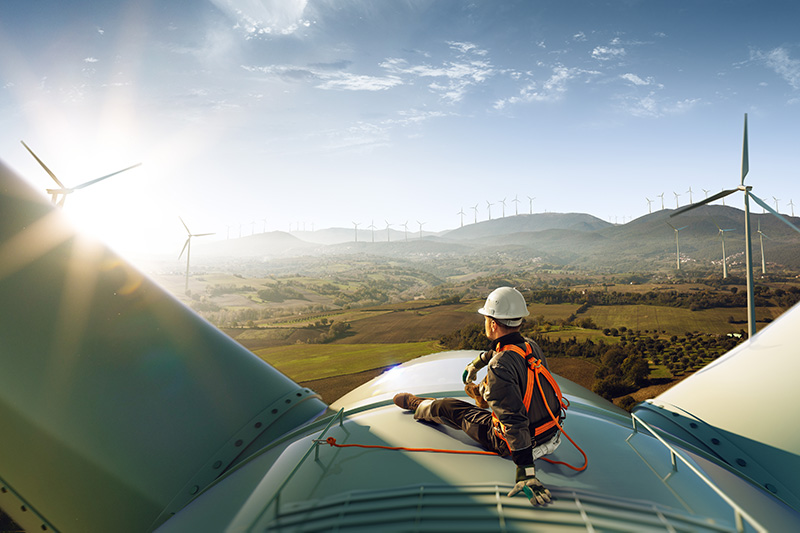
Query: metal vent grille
[{"x": 480, "y": 509}]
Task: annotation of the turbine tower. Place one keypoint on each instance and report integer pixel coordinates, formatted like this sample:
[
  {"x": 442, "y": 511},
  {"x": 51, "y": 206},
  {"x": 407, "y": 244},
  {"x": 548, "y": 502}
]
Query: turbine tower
[
  {"x": 761, "y": 236},
  {"x": 63, "y": 191},
  {"x": 516, "y": 205},
  {"x": 724, "y": 257},
  {"x": 690, "y": 194},
  {"x": 677, "y": 244},
  {"x": 503, "y": 201},
  {"x": 530, "y": 204},
  {"x": 475, "y": 208},
  {"x": 372, "y": 227},
  {"x": 792, "y": 206},
  {"x": 676, "y": 199},
  {"x": 187, "y": 247},
  {"x": 649, "y": 206},
  {"x": 356, "y": 225},
  {"x": 776, "y": 203},
  {"x": 489, "y": 207},
  {"x": 405, "y": 229},
  {"x": 462, "y": 216},
  {"x": 388, "y": 235},
  {"x": 420, "y": 228},
  {"x": 748, "y": 249}
]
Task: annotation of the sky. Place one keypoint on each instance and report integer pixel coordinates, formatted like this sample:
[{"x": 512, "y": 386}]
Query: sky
[{"x": 265, "y": 115}]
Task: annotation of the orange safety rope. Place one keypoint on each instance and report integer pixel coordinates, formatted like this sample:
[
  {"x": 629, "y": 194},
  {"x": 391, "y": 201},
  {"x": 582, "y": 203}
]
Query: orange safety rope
[{"x": 332, "y": 442}]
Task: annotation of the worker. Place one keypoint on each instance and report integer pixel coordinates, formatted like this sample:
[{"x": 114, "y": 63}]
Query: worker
[{"x": 509, "y": 427}]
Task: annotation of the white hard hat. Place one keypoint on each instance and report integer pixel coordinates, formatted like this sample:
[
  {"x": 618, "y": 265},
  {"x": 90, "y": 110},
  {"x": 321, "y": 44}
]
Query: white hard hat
[{"x": 506, "y": 304}]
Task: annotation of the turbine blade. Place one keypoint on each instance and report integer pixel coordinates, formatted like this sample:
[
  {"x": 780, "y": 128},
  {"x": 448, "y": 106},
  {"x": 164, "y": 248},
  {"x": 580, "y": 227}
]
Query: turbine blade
[
  {"x": 745, "y": 159},
  {"x": 185, "y": 226},
  {"x": 202, "y": 234},
  {"x": 43, "y": 165},
  {"x": 704, "y": 202},
  {"x": 184, "y": 247},
  {"x": 82, "y": 185},
  {"x": 763, "y": 204}
]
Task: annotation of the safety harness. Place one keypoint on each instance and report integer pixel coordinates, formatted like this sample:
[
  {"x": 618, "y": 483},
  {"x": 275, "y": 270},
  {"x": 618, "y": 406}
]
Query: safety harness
[{"x": 550, "y": 399}]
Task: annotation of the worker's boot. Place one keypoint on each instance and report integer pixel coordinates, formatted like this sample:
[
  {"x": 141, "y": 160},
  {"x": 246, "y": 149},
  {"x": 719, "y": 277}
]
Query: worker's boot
[{"x": 406, "y": 400}]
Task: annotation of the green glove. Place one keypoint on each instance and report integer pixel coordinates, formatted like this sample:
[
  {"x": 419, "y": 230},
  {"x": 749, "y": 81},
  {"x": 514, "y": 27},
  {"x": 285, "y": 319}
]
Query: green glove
[{"x": 532, "y": 487}]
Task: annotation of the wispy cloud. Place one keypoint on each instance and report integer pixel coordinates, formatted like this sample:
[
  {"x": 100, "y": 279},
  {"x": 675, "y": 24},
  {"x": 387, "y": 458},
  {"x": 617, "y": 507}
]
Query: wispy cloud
[
  {"x": 778, "y": 60},
  {"x": 264, "y": 17},
  {"x": 90, "y": 60},
  {"x": 636, "y": 80},
  {"x": 327, "y": 77},
  {"x": 606, "y": 53},
  {"x": 550, "y": 90},
  {"x": 653, "y": 106},
  {"x": 451, "y": 79}
]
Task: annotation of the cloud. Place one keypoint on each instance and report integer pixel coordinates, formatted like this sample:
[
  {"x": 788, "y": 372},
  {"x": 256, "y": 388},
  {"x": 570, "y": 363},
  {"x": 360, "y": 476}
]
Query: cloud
[
  {"x": 325, "y": 77},
  {"x": 551, "y": 90},
  {"x": 778, "y": 60},
  {"x": 451, "y": 79},
  {"x": 580, "y": 36},
  {"x": 651, "y": 106},
  {"x": 605, "y": 53},
  {"x": 263, "y": 17},
  {"x": 636, "y": 80},
  {"x": 90, "y": 60}
]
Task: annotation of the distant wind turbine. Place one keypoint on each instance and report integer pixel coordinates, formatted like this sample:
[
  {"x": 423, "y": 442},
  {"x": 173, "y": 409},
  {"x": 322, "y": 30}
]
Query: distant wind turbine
[
  {"x": 63, "y": 191},
  {"x": 462, "y": 216},
  {"x": 677, "y": 243},
  {"x": 690, "y": 194},
  {"x": 489, "y": 207},
  {"x": 530, "y": 205},
  {"x": 187, "y": 247},
  {"x": 649, "y": 207},
  {"x": 676, "y": 199},
  {"x": 388, "y": 238},
  {"x": 405, "y": 229},
  {"x": 792, "y": 206},
  {"x": 776, "y": 203},
  {"x": 372, "y": 227},
  {"x": 662, "y": 200},
  {"x": 516, "y": 205},
  {"x": 503, "y": 201},
  {"x": 748, "y": 194},
  {"x": 706, "y": 191},
  {"x": 356, "y": 225},
  {"x": 724, "y": 257},
  {"x": 761, "y": 236},
  {"x": 265, "y": 224},
  {"x": 420, "y": 228}
]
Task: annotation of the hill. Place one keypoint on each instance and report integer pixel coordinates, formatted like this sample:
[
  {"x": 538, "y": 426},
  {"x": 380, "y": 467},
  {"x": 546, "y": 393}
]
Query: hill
[{"x": 571, "y": 240}]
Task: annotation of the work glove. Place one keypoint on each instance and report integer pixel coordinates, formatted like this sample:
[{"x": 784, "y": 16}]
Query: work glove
[
  {"x": 532, "y": 487},
  {"x": 470, "y": 374}
]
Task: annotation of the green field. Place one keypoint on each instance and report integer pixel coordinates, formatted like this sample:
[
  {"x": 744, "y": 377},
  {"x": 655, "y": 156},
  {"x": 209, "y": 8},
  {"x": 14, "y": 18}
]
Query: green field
[
  {"x": 317, "y": 361},
  {"x": 673, "y": 320}
]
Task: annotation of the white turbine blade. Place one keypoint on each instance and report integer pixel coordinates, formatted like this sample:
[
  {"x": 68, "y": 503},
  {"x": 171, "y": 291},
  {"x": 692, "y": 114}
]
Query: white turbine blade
[
  {"x": 704, "y": 202},
  {"x": 763, "y": 204},
  {"x": 185, "y": 226},
  {"x": 86, "y": 184},
  {"x": 745, "y": 159},
  {"x": 184, "y": 247},
  {"x": 202, "y": 234},
  {"x": 43, "y": 165}
]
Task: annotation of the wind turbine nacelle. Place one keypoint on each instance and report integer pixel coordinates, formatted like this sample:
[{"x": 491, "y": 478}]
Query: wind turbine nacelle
[{"x": 118, "y": 405}]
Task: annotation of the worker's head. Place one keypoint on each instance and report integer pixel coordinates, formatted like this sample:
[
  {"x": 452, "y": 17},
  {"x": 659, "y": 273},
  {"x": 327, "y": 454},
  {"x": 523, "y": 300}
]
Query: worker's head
[{"x": 504, "y": 310}]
